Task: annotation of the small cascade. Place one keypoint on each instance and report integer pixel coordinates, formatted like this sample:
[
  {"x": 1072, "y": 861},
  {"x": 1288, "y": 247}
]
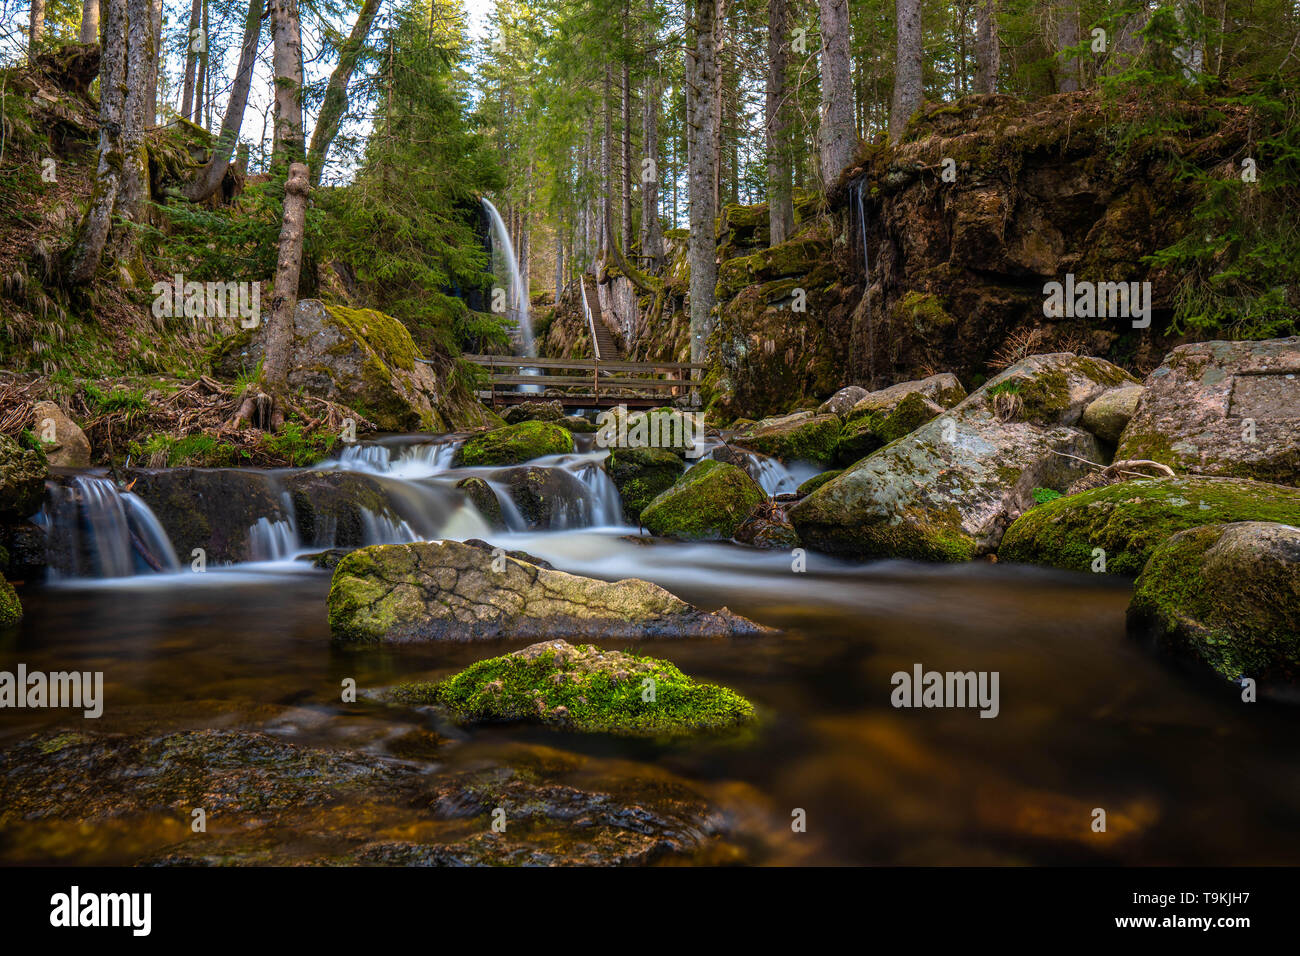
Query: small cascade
[
  {"x": 409, "y": 461},
  {"x": 386, "y": 529},
  {"x": 97, "y": 530}
]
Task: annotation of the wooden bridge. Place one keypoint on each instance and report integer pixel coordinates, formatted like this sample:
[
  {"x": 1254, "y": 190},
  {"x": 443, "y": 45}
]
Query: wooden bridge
[{"x": 585, "y": 383}]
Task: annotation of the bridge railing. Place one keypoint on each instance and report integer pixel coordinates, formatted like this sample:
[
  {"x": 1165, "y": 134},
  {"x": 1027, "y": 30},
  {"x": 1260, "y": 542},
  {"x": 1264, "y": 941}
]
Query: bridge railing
[{"x": 604, "y": 378}]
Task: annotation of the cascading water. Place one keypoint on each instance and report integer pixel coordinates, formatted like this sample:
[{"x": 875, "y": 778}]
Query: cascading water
[
  {"x": 96, "y": 529},
  {"x": 518, "y": 298}
]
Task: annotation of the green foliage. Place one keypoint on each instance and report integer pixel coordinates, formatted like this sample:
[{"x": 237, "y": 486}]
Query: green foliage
[
  {"x": 297, "y": 446},
  {"x": 1044, "y": 495}
]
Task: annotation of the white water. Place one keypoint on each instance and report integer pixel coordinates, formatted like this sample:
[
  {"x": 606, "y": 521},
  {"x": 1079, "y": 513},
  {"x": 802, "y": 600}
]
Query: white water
[
  {"x": 104, "y": 529},
  {"x": 518, "y": 298}
]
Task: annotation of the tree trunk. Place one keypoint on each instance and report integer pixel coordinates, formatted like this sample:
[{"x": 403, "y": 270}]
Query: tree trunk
[
  {"x": 701, "y": 94},
  {"x": 606, "y": 167},
  {"x": 151, "y": 103},
  {"x": 780, "y": 200},
  {"x": 191, "y": 59},
  {"x": 208, "y": 179},
  {"x": 287, "y": 145},
  {"x": 89, "y": 21},
  {"x": 35, "y": 28},
  {"x": 908, "y": 90},
  {"x": 284, "y": 299},
  {"x": 626, "y": 224},
  {"x": 133, "y": 189},
  {"x": 336, "y": 93},
  {"x": 652, "y": 235},
  {"x": 837, "y": 138},
  {"x": 1067, "y": 35},
  {"x": 988, "y": 54},
  {"x": 82, "y": 259},
  {"x": 204, "y": 94}
]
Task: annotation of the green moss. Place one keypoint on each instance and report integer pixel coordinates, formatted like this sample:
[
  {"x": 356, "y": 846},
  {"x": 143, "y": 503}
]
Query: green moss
[
  {"x": 1129, "y": 519},
  {"x": 816, "y": 481},
  {"x": 812, "y": 440},
  {"x": 710, "y": 501},
  {"x": 641, "y": 475},
  {"x": 922, "y": 311},
  {"x": 384, "y": 334},
  {"x": 513, "y": 444},
  {"x": 587, "y": 690},
  {"x": 909, "y": 415},
  {"x": 11, "y": 609}
]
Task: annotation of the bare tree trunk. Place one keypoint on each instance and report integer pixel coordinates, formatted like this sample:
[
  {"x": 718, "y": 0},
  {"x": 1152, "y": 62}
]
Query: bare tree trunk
[
  {"x": 284, "y": 301},
  {"x": 652, "y": 235},
  {"x": 204, "y": 93},
  {"x": 208, "y": 179},
  {"x": 191, "y": 59},
  {"x": 908, "y": 88},
  {"x": 625, "y": 227},
  {"x": 988, "y": 54},
  {"x": 1067, "y": 35},
  {"x": 780, "y": 200},
  {"x": 89, "y": 21},
  {"x": 837, "y": 138},
  {"x": 287, "y": 145},
  {"x": 606, "y": 167},
  {"x": 82, "y": 259},
  {"x": 151, "y": 105},
  {"x": 701, "y": 94},
  {"x": 133, "y": 189},
  {"x": 336, "y": 93},
  {"x": 35, "y": 28}
]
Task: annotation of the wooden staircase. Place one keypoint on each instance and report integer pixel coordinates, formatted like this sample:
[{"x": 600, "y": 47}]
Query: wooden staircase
[{"x": 604, "y": 341}]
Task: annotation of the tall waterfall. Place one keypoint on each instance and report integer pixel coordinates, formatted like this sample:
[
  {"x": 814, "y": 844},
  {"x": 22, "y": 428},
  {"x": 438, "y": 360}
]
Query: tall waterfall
[{"x": 518, "y": 300}]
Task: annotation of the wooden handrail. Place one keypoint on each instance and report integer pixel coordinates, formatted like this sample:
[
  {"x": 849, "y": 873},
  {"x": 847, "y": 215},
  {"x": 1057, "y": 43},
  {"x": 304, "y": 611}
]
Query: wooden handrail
[{"x": 519, "y": 361}]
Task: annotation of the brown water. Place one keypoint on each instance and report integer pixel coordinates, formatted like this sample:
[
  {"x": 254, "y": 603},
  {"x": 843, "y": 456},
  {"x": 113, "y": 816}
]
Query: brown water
[{"x": 1186, "y": 772}]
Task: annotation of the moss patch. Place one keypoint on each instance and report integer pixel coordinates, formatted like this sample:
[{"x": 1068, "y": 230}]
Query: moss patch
[
  {"x": 11, "y": 609},
  {"x": 514, "y": 444},
  {"x": 710, "y": 501},
  {"x": 1128, "y": 520},
  {"x": 583, "y": 688}
]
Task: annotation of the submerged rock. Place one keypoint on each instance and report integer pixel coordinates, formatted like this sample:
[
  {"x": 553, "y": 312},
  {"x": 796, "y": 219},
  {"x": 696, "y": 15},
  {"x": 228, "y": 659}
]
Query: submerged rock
[
  {"x": 70, "y": 448},
  {"x": 22, "y": 480},
  {"x": 1128, "y": 520},
  {"x": 514, "y": 444},
  {"x": 336, "y": 507},
  {"x": 948, "y": 491},
  {"x": 545, "y": 497},
  {"x": 642, "y": 474},
  {"x": 484, "y": 500},
  {"x": 445, "y": 590},
  {"x": 583, "y": 688},
  {"x": 1228, "y": 596},
  {"x": 1222, "y": 408},
  {"x": 1107, "y": 415},
  {"x": 802, "y": 436},
  {"x": 710, "y": 501}
]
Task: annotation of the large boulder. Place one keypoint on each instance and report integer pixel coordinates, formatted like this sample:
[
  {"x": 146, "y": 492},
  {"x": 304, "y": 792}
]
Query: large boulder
[
  {"x": 583, "y": 688},
  {"x": 641, "y": 475},
  {"x": 514, "y": 444},
  {"x": 802, "y": 436},
  {"x": 864, "y": 433},
  {"x": 1109, "y": 414},
  {"x": 843, "y": 400},
  {"x": 446, "y": 590},
  {"x": 545, "y": 497},
  {"x": 368, "y": 361},
  {"x": 68, "y": 446},
  {"x": 1228, "y": 596},
  {"x": 710, "y": 501},
  {"x": 22, "y": 480},
  {"x": 948, "y": 491},
  {"x": 213, "y": 509},
  {"x": 1222, "y": 408},
  {"x": 1128, "y": 520},
  {"x": 943, "y": 389},
  {"x": 337, "y": 508}
]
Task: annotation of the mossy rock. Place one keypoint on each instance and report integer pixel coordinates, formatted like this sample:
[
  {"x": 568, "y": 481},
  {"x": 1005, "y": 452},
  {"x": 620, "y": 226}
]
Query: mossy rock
[
  {"x": 710, "y": 502},
  {"x": 1129, "y": 520},
  {"x": 11, "y": 609},
  {"x": 584, "y": 689},
  {"x": 484, "y": 500},
  {"x": 810, "y": 439},
  {"x": 1228, "y": 597},
  {"x": 514, "y": 444},
  {"x": 641, "y": 475},
  {"x": 816, "y": 481},
  {"x": 22, "y": 480}
]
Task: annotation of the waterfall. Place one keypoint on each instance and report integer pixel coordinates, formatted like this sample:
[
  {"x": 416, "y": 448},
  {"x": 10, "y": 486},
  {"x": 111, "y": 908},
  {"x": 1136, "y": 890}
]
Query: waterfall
[
  {"x": 518, "y": 291},
  {"x": 866, "y": 278},
  {"x": 97, "y": 530}
]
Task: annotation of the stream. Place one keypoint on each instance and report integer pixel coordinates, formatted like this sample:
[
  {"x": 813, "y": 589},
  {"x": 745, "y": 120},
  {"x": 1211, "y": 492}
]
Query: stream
[{"x": 1088, "y": 718}]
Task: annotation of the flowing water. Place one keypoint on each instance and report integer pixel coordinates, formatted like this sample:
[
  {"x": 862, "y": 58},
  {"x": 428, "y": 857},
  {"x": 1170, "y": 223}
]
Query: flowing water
[{"x": 1088, "y": 718}]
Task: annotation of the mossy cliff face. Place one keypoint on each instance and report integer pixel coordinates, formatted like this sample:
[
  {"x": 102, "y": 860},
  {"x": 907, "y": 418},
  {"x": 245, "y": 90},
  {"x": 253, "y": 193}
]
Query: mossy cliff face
[
  {"x": 585, "y": 689},
  {"x": 514, "y": 444},
  {"x": 451, "y": 591},
  {"x": 710, "y": 501},
  {"x": 1228, "y": 597},
  {"x": 948, "y": 491},
  {"x": 1222, "y": 408},
  {"x": 1129, "y": 520},
  {"x": 368, "y": 361}
]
